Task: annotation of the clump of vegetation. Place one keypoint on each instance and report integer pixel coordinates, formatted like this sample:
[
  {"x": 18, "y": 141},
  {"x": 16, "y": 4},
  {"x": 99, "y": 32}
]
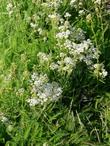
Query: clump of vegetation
[{"x": 54, "y": 73}]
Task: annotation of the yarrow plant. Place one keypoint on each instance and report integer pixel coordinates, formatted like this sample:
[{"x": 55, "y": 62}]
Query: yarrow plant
[
  {"x": 42, "y": 90},
  {"x": 70, "y": 41}
]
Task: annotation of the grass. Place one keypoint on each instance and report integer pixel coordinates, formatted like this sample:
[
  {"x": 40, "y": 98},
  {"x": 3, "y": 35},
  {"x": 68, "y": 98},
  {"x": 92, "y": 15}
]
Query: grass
[{"x": 73, "y": 100}]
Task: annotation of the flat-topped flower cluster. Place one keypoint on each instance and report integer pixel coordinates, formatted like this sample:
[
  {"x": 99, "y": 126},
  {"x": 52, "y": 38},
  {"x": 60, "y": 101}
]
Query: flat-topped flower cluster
[{"x": 42, "y": 90}]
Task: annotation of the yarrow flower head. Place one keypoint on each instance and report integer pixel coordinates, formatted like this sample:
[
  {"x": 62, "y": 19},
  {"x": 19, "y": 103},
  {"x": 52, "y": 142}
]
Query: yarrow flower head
[
  {"x": 33, "y": 25},
  {"x": 10, "y": 8},
  {"x": 67, "y": 15},
  {"x": 72, "y": 2},
  {"x": 99, "y": 70},
  {"x": 97, "y": 2},
  {"x": 43, "y": 57},
  {"x": 42, "y": 90}
]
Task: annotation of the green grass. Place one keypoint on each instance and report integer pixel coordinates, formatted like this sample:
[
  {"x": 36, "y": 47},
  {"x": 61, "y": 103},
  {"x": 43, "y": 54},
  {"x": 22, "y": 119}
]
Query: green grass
[{"x": 80, "y": 113}]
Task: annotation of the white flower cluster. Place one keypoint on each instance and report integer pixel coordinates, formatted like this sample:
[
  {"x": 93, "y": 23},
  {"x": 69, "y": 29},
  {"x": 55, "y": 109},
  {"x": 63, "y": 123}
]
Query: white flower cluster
[
  {"x": 53, "y": 16},
  {"x": 20, "y": 92},
  {"x": 67, "y": 15},
  {"x": 10, "y": 8},
  {"x": 84, "y": 51},
  {"x": 64, "y": 34},
  {"x": 52, "y": 4},
  {"x": 76, "y": 3},
  {"x": 64, "y": 64},
  {"x": 99, "y": 70},
  {"x": 72, "y": 45},
  {"x": 73, "y": 2},
  {"x": 81, "y": 12},
  {"x": 43, "y": 57},
  {"x": 63, "y": 30},
  {"x": 3, "y": 118},
  {"x": 97, "y": 2},
  {"x": 42, "y": 90},
  {"x": 33, "y": 25},
  {"x": 72, "y": 41}
]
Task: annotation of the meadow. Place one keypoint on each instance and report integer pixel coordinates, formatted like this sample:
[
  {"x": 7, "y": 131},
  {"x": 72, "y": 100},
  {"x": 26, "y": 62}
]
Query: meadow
[{"x": 54, "y": 73}]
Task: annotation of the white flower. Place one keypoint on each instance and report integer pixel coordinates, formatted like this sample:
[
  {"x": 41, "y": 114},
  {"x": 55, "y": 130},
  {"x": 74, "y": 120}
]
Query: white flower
[
  {"x": 38, "y": 83},
  {"x": 34, "y": 76},
  {"x": 60, "y": 35},
  {"x": 79, "y": 34},
  {"x": 79, "y": 48},
  {"x": 61, "y": 28},
  {"x": 87, "y": 59},
  {"x": 67, "y": 33},
  {"x": 51, "y": 90},
  {"x": 99, "y": 70},
  {"x": 61, "y": 20},
  {"x": 33, "y": 101},
  {"x": 40, "y": 80},
  {"x": 62, "y": 55},
  {"x": 89, "y": 18},
  {"x": 72, "y": 2},
  {"x": 66, "y": 24},
  {"x": 43, "y": 91},
  {"x": 40, "y": 30},
  {"x": 53, "y": 66},
  {"x": 57, "y": 91},
  {"x": 67, "y": 15},
  {"x": 64, "y": 34},
  {"x": 33, "y": 25},
  {"x": 43, "y": 57},
  {"x": 81, "y": 12},
  {"x": 68, "y": 44},
  {"x": 97, "y": 2},
  {"x": 4, "y": 119},
  {"x": 9, "y": 7},
  {"x": 104, "y": 73},
  {"x": 96, "y": 65},
  {"x": 53, "y": 16},
  {"x": 68, "y": 60}
]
